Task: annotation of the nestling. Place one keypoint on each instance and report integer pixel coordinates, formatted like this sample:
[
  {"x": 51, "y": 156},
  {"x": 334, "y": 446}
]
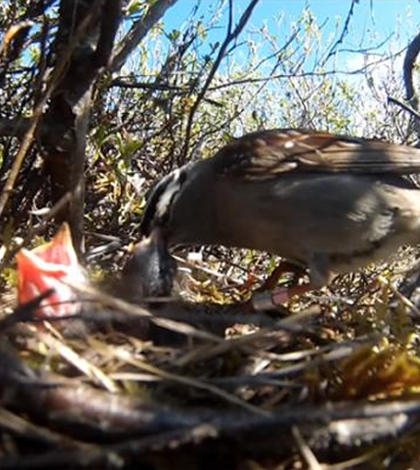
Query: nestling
[
  {"x": 53, "y": 266},
  {"x": 150, "y": 272},
  {"x": 331, "y": 203}
]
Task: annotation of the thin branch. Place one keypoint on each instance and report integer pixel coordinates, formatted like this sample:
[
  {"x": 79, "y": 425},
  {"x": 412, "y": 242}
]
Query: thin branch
[
  {"x": 31, "y": 233},
  {"x": 138, "y": 31},
  {"x": 411, "y": 55},
  {"x": 301, "y": 75},
  {"x": 118, "y": 82},
  {"x": 404, "y": 106},
  {"x": 413, "y": 51},
  {"x": 230, "y": 36},
  {"x": 343, "y": 34},
  {"x": 111, "y": 13},
  {"x": 38, "y": 112}
]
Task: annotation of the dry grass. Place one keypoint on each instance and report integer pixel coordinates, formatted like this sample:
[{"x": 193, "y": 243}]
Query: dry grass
[{"x": 199, "y": 382}]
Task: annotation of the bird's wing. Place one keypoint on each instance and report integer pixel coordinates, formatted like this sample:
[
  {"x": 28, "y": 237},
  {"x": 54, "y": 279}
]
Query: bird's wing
[{"x": 266, "y": 154}]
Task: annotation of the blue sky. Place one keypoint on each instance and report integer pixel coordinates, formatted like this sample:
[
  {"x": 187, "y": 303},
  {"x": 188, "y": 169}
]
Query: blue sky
[
  {"x": 366, "y": 66},
  {"x": 379, "y": 16}
]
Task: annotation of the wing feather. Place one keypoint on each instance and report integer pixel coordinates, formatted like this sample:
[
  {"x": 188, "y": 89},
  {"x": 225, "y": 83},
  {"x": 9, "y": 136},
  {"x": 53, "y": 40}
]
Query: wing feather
[{"x": 267, "y": 154}]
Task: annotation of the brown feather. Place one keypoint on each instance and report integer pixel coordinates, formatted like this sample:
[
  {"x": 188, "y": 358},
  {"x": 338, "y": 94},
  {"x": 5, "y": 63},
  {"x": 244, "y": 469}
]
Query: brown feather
[{"x": 266, "y": 154}]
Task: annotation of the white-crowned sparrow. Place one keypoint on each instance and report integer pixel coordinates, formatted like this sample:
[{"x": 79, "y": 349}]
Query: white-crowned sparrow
[{"x": 331, "y": 203}]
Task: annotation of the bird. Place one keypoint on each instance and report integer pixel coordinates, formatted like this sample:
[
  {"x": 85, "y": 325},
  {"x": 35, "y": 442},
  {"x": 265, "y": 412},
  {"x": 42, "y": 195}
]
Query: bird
[
  {"x": 51, "y": 267},
  {"x": 48, "y": 274},
  {"x": 330, "y": 203},
  {"x": 149, "y": 272}
]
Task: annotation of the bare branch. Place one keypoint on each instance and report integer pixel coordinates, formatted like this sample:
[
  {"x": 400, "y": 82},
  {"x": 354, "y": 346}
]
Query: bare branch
[
  {"x": 138, "y": 31},
  {"x": 230, "y": 36},
  {"x": 67, "y": 115},
  {"x": 404, "y": 106},
  {"x": 37, "y": 114},
  {"x": 343, "y": 34},
  {"x": 413, "y": 51},
  {"x": 109, "y": 26}
]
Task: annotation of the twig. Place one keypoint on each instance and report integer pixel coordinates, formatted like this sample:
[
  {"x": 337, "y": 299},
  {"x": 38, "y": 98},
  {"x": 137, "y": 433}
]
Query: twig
[
  {"x": 305, "y": 450},
  {"x": 38, "y": 111},
  {"x": 404, "y": 106},
  {"x": 5, "y": 260},
  {"x": 230, "y": 36},
  {"x": 138, "y": 31},
  {"x": 344, "y": 32}
]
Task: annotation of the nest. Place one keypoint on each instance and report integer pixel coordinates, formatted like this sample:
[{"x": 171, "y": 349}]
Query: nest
[{"x": 198, "y": 381}]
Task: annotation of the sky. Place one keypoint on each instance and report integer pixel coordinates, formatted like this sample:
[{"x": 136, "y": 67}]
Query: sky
[
  {"x": 382, "y": 14},
  {"x": 369, "y": 60},
  {"x": 378, "y": 16}
]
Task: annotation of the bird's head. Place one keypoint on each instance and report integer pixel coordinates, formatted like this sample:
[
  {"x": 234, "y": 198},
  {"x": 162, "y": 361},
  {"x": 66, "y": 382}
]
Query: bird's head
[
  {"x": 51, "y": 266},
  {"x": 150, "y": 271}
]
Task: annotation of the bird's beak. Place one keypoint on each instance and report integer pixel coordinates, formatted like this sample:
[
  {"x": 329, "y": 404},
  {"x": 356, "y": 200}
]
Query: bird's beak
[
  {"x": 53, "y": 265},
  {"x": 157, "y": 240},
  {"x": 150, "y": 271}
]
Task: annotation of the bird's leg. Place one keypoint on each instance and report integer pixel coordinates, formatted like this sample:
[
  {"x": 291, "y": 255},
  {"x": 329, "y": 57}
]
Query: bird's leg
[
  {"x": 270, "y": 300},
  {"x": 319, "y": 276},
  {"x": 283, "y": 267}
]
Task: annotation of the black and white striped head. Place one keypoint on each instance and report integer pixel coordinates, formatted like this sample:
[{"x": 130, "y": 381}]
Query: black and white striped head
[
  {"x": 157, "y": 211},
  {"x": 151, "y": 269}
]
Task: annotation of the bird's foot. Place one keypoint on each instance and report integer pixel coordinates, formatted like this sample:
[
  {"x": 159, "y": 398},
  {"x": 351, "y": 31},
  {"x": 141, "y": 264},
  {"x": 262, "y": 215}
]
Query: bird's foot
[
  {"x": 284, "y": 267},
  {"x": 272, "y": 300}
]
